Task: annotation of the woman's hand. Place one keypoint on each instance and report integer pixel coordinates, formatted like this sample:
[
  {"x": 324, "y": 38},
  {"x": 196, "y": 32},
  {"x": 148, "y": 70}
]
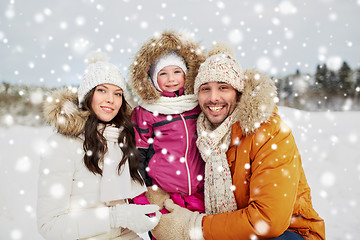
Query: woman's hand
[{"x": 134, "y": 217}]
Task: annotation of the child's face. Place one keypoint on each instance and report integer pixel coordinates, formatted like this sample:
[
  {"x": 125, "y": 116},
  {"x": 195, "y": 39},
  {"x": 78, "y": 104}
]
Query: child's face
[
  {"x": 106, "y": 101},
  {"x": 171, "y": 78}
]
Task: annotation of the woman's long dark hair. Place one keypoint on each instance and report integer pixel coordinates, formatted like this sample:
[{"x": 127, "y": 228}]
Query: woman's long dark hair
[{"x": 95, "y": 145}]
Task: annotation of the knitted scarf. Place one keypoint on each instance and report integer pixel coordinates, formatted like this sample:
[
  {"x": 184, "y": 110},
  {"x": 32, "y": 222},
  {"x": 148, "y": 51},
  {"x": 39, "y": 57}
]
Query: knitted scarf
[
  {"x": 172, "y": 105},
  {"x": 213, "y": 145},
  {"x": 114, "y": 186}
]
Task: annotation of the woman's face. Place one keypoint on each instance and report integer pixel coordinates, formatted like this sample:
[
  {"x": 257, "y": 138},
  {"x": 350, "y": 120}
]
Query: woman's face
[{"x": 106, "y": 101}]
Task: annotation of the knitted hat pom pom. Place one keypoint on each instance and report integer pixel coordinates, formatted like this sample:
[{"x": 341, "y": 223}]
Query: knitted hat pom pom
[{"x": 96, "y": 56}]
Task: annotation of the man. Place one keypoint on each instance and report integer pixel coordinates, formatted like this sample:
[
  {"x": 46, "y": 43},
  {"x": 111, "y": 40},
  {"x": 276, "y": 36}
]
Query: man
[{"x": 255, "y": 187}]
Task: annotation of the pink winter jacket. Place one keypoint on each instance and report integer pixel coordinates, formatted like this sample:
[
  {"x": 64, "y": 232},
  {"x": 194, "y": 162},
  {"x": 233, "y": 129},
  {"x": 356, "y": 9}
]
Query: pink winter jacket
[{"x": 172, "y": 160}]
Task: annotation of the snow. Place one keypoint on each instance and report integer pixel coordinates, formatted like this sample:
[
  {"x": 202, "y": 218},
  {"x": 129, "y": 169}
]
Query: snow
[{"x": 328, "y": 142}]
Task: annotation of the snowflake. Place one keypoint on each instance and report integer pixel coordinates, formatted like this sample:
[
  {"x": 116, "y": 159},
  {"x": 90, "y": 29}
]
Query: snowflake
[
  {"x": 23, "y": 164},
  {"x": 235, "y": 36},
  {"x": 57, "y": 190},
  {"x": 328, "y": 179},
  {"x": 16, "y": 234}
]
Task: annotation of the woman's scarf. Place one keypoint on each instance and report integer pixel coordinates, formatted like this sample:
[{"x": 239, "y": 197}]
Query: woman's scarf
[
  {"x": 213, "y": 145},
  {"x": 114, "y": 186}
]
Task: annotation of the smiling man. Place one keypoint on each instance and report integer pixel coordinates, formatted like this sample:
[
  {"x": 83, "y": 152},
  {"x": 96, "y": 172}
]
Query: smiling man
[{"x": 255, "y": 186}]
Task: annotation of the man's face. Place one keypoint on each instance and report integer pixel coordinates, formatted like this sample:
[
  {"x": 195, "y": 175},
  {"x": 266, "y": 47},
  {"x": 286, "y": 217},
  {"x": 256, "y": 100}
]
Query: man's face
[{"x": 217, "y": 100}]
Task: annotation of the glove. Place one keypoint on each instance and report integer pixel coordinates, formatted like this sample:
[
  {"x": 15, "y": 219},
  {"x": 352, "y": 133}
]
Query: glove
[
  {"x": 179, "y": 224},
  {"x": 156, "y": 196},
  {"x": 134, "y": 217}
]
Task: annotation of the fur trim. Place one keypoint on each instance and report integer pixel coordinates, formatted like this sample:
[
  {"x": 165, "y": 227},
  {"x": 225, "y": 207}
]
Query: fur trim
[
  {"x": 63, "y": 112},
  {"x": 257, "y": 101},
  {"x": 153, "y": 49}
]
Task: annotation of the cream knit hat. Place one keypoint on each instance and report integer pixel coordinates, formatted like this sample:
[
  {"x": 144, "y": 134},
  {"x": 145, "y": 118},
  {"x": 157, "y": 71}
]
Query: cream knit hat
[
  {"x": 100, "y": 71},
  {"x": 169, "y": 59},
  {"x": 220, "y": 67}
]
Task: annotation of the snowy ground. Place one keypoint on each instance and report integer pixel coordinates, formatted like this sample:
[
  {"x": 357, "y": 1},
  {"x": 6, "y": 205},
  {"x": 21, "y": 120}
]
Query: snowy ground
[{"x": 328, "y": 142}]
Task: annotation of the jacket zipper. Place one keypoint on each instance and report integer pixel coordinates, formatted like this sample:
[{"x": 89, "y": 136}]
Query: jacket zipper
[{"x": 186, "y": 153}]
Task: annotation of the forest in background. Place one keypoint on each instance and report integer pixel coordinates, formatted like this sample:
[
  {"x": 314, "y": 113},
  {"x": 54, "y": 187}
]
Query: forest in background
[{"x": 326, "y": 90}]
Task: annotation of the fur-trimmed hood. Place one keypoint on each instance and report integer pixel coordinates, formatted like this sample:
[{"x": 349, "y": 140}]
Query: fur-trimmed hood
[
  {"x": 62, "y": 111},
  {"x": 155, "y": 48},
  {"x": 257, "y": 102}
]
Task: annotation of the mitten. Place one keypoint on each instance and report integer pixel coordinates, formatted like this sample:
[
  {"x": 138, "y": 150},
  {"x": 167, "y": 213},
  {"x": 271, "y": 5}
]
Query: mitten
[
  {"x": 180, "y": 223},
  {"x": 134, "y": 217},
  {"x": 156, "y": 196}
]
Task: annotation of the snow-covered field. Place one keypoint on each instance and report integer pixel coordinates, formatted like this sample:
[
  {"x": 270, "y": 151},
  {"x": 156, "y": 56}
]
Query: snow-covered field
[{"x": 328, "y": 142}]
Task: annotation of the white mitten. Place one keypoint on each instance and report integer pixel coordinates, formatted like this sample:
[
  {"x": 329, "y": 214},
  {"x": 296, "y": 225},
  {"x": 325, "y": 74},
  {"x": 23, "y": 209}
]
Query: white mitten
[{"x": 134, "y": 217}]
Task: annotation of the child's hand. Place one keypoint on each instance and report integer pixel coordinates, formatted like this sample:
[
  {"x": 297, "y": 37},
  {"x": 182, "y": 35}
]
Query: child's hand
[{"x": 157, "y": 196}]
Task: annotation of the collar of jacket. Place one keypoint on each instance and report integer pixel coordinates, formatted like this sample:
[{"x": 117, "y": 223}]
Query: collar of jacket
[
  {"x": 258, "y": 101},
  {"x": 179, "y": 93},
  {"x": 63, "y": 113}
]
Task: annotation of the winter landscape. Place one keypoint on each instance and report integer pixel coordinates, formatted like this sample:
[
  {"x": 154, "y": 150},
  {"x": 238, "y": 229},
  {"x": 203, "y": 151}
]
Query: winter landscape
[
  {"x": 310, "y": 49},
  {"x": 328, "y": 142}
]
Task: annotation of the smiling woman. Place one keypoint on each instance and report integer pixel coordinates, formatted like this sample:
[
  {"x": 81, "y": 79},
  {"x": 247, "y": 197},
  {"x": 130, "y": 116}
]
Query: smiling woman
[
  {"x": 90, "y": 166},
  {"x": 106, "y": 101}
]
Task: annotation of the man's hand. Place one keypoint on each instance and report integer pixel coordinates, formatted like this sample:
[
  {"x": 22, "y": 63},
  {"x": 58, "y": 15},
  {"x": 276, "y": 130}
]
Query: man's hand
[{"x": 179, "y": 224}]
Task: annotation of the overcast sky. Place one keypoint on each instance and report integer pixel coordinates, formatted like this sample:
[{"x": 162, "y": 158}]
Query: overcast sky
[{"x": 45, "y": 42}]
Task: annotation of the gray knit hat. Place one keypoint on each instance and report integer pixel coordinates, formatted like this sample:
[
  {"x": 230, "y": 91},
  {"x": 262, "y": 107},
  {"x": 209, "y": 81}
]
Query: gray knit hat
[
  {"x": 100, "y": 71},
  {"x": 221, "y": 67}
]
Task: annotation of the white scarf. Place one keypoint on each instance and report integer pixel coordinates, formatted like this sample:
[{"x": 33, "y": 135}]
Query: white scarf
[
  {"x": 114, "y": 186},
  {"x": 213, "y": 145},
  {"x": 172, "y": 105}
]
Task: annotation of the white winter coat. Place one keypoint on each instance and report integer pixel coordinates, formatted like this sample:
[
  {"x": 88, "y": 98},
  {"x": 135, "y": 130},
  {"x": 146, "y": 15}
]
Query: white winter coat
[{"x": 69, "y": 205}]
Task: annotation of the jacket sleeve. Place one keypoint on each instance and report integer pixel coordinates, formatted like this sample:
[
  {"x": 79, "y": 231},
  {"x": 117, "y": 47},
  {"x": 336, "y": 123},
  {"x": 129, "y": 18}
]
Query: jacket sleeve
[
  {"x": 143, "y": 137},
  {"x": 56, "y": 218},
  {"x": 273, "y": 182}
]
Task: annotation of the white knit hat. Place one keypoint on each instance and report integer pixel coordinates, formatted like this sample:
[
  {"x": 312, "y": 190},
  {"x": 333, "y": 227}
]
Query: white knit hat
[
  {"x": 100, "y": 71},
  {"x": 220, "y": 67},
  {"x": 169, "y": 59}
]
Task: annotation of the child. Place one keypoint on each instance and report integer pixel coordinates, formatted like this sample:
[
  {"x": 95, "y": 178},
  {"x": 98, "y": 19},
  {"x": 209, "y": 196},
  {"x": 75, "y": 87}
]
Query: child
[
  {"x": 162, "y": 75},
  {"x": 90, "y": 167}
]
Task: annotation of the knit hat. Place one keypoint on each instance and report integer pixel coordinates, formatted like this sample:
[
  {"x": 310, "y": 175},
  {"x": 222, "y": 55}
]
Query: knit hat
[
  {"x": 220, "y": 67},
  {"x": 99, "y": 71},
  {"x": 169, "y": 59}
]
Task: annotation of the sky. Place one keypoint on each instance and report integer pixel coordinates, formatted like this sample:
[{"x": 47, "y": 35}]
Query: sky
[
  {"x": 328, "y": 143},
  {"x": 45, "y": 43}
]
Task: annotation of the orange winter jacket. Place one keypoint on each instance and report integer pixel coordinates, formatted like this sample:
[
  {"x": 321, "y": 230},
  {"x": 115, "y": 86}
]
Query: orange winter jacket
[{"x": 271, "y": 192}]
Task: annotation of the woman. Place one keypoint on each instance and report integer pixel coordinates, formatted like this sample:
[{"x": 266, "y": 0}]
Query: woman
[{"x": 89, "y": 168}]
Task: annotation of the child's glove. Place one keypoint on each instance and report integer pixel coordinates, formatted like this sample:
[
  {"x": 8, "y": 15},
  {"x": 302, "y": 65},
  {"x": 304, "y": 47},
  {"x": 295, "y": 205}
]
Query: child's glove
[
  {"x": 157, "y": 196},
  {"x": 134, "y": 217},
  {"x": 180, "y": 223}
]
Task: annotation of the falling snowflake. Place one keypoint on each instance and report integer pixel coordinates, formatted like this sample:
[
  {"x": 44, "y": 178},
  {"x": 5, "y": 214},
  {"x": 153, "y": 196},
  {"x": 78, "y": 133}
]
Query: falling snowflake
[
  {"x": 328, "y": 179},
  {"x": 57, "y": 190},
  {"x": 23, "y": 164},
  {"x": 235, "y": 36}
]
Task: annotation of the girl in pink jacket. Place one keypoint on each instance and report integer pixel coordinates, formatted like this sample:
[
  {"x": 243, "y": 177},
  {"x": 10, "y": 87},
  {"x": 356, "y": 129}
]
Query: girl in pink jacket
[{"x": 162, "y": 77}]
